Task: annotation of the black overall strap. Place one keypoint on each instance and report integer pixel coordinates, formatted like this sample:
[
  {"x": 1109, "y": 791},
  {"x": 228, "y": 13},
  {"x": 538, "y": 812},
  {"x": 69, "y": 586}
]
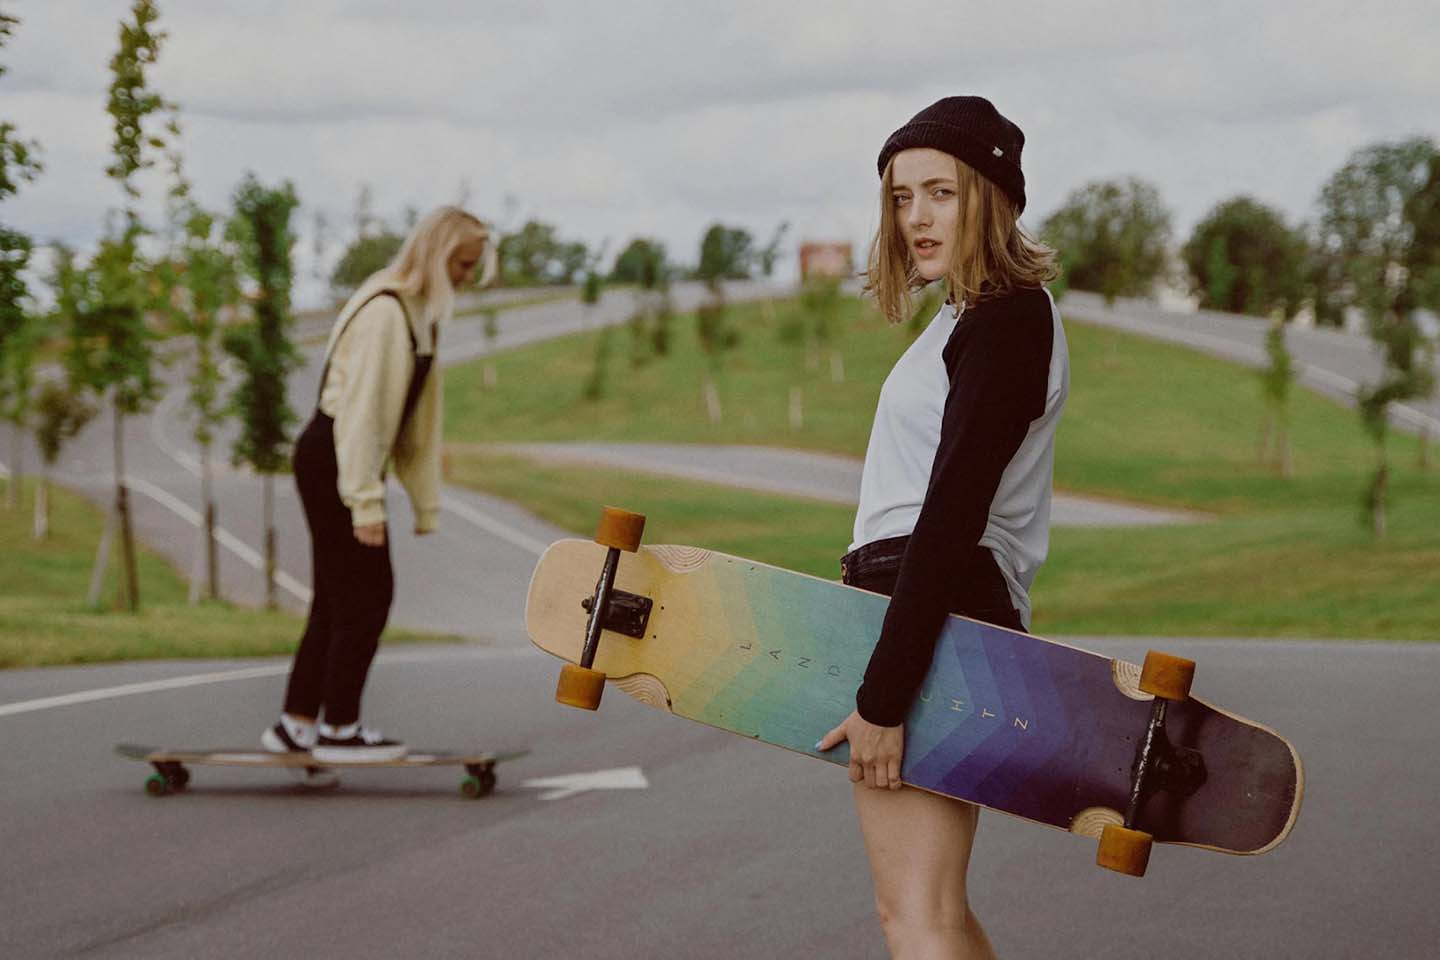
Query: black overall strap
[{"x": 414, "y": 344}]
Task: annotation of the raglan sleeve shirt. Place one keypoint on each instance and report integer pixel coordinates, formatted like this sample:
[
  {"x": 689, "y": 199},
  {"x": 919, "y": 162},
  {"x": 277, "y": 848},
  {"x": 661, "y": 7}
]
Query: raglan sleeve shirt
[{"x": 998, "y": 361}]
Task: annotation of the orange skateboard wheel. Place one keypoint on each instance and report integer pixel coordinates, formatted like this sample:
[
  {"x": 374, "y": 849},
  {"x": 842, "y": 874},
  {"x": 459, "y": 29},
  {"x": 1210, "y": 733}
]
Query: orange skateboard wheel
[
  {"x": 579, "y": 687},
  {"x": 1166, "y": 676},
  {"x": 1124, "y": 851},
  {"x": 620, "y": 529}
]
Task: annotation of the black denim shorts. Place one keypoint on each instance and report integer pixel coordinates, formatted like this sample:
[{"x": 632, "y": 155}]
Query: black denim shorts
[{"x": 985, "y": 597}]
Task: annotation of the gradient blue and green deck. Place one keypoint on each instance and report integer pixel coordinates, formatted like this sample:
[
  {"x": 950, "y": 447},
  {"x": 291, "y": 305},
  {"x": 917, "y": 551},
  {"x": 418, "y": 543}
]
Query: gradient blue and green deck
[{"x": 1013, "y": 722}]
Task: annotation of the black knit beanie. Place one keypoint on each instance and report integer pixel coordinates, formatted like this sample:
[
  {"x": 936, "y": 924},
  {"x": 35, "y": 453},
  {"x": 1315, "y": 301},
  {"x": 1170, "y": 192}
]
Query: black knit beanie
[{"x": 973, "y": 131}]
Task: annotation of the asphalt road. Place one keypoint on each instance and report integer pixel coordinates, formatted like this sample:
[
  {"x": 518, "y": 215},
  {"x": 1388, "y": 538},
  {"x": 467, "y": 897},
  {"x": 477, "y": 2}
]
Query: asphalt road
[{"x": 732, "y": 849}]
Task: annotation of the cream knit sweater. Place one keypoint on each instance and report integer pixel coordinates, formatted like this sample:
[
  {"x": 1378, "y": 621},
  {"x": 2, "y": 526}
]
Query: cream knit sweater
[{"x": 364, "y": 391}]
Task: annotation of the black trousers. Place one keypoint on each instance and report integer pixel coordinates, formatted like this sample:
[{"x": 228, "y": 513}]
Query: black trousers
[
  {"x": 353, "y": 586},
  {"x": 876, "y": 566}
]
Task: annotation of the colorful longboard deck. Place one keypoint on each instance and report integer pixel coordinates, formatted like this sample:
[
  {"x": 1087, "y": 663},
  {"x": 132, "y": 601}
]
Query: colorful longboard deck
[
  {"x": 1030, "y": 727},
  {"x": 171, "y": 775}
]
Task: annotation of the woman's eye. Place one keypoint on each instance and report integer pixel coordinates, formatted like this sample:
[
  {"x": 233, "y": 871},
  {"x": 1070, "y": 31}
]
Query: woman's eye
[
  {"x": 901, "y": 199},
  {"x": 940, "y": 193}
]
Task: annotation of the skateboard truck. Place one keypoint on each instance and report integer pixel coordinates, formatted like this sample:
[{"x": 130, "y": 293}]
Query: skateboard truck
[
  {"x": 627, "y": 613},
  {"x": 581, "y": 685},
  {"x": 1159, "y": 765}
]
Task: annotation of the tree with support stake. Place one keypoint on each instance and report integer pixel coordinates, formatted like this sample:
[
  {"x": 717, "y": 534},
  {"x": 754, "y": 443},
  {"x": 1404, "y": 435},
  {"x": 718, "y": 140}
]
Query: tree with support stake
[
  {"x": 104, "y": 305},
  {"x": 1373, "y": 234},
  {"x": 199, "y": 284},
  {"x": 261, "y": 231}
]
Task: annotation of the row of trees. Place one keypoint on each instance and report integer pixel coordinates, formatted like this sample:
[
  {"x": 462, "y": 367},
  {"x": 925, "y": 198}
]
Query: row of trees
[
  {"x": 216, "y": 284},
  {"x": 1372, "y": 250}
]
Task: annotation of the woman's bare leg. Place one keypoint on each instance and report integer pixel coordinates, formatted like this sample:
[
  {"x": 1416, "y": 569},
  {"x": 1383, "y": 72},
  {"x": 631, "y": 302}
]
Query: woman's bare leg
[{"x": 919, "y": 848}]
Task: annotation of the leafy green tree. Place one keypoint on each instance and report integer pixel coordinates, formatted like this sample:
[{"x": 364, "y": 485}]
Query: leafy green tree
[
  {"x": 110, "y": 349},
  {"x": 1112, "y": 237},
  {"x": 19, "y": 333},
  {"x": 364, "y": 256},
  {"x": 1422, "y": 213},
  {"x": 60, "y": 414},
  {"x": 767, "y": 256},
  {"x": 1244, "y": 258},
  {"x": 726, "y": 253},
  {"x": 1367, "y": 230},
  {"x": 200, "y": 285},
  {"x": 535, "y": 255},
  {"x": 260, "y": 228},
  {"x": 642, "y": 262}
]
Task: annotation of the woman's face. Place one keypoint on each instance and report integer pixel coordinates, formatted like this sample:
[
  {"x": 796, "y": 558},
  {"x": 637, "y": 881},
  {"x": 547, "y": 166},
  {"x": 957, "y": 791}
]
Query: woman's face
[
  {"x": 463, "y": 259},
  {"x": 926, "y": 199}
]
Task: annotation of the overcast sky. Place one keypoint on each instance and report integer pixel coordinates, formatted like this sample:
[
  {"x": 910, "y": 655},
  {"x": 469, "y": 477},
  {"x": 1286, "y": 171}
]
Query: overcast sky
[{"x": 647, "y": 117}]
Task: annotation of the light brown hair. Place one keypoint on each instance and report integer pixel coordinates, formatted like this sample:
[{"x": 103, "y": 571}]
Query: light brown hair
[{"x": 1003, "y": 258}]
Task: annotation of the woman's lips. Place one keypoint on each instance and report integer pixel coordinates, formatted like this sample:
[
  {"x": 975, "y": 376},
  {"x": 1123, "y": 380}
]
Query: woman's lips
[{"x": 926, "y": 248}]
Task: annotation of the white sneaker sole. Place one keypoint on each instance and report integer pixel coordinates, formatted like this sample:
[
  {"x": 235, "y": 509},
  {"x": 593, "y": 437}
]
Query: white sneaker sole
[
  {"x": 274, "y": 744},
  {"x": 358, "y": 754}
]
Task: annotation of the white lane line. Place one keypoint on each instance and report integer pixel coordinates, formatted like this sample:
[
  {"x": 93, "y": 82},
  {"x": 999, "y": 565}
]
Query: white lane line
[
  {"x": 492, "y": 526},
  {"x": 227, "y": 539},
  {"x": 223, "y": 676}
]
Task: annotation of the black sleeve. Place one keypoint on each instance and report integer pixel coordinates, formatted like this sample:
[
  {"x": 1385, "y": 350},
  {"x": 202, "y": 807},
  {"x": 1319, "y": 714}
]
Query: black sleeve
[{"x": 998, "y": 359}]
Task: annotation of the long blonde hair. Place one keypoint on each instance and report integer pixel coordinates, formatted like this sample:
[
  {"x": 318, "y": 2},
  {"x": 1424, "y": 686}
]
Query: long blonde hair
[
  {"x": 1004, "y": 256},
  {"x": 421, "y": 269}
]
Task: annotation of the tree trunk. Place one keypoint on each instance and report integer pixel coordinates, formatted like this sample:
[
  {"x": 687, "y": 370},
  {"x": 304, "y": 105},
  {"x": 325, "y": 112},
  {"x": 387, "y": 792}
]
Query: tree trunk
[
  {"x": 712, "y": 400},
  {"x": 42, "y": 505},
  {"x": 271, "y": 601},
  {"x": 17, "y": 469},
  {"x": 797, "y": 409},
  {"x": 1377, "y": 500},
  {"x": 212, "y": 546},
  {"x": 130, "y": 581}
]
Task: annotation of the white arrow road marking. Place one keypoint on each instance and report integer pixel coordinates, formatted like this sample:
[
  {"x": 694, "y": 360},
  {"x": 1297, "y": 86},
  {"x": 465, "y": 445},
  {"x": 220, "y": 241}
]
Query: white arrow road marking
[{"x": 558, "y": 788}]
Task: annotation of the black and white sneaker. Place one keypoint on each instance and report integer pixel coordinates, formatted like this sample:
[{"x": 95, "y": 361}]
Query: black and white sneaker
[
  {"x": 356, "y": 744},
  {"x": 283, "y": 738}
]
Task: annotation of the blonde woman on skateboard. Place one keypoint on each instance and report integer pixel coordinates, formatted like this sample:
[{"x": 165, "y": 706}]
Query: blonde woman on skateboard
[
  {"x": 378, "y": 407},
  {"x": 955, "y": 498}
]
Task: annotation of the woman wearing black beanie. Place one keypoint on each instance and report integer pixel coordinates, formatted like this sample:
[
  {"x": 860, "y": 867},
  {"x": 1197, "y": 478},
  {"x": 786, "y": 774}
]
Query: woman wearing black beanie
[{"x": 954, "y": 508}]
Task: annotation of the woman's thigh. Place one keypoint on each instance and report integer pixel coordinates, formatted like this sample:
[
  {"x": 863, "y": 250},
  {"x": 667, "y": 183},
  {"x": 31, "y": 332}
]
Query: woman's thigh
[{"x": 919, "y": 849}]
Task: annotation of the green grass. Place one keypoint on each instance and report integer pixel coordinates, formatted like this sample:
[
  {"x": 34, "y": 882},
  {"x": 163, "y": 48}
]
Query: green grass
[
  {"x": 1146, "y": 421},
  {"x": 45, "y": 621}
]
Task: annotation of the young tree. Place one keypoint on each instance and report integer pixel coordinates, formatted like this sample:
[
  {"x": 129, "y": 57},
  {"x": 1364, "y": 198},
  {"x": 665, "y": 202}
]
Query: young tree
[
  {"x": 261, "y": 230},
  {"x": 1112, "y": 237},
  {"x": 110, "y": 346},
  {"x": 641, "y": 263},
  {"x": 60, "y": 414},
  {"x": 1275, "y": 382},
  {"x": 1244, "y": 258},
  {"x": 535, "y": 255},
  {"x": 200, "y": 285},
  {"x": 726, "y": 253},
  {"x": 364, "y": 256},
  {"x": 19, "y": 334},
  {"x": 767, "y": 256},
  {"x": 1367, "y": 229}
]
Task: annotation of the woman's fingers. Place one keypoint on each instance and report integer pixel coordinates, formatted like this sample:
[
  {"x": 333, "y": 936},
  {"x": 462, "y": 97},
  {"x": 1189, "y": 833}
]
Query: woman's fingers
[{"x": 832, "y": 739}]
